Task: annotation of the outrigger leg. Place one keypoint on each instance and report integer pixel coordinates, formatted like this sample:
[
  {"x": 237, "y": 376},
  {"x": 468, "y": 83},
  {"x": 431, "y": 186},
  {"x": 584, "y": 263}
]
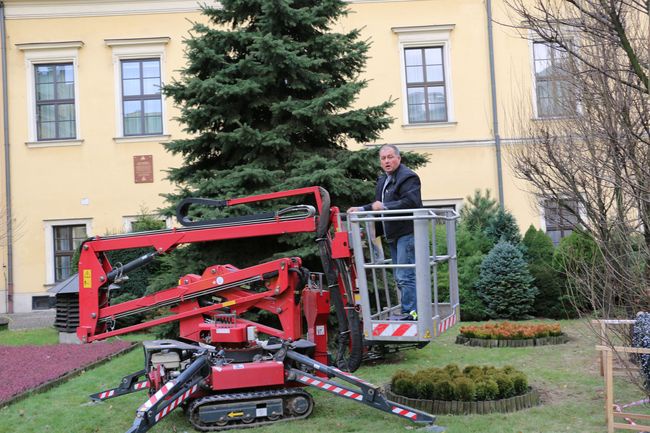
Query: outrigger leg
[
  {"x": 128, "y": 384},
  {"x": 366, "y": 393},
  {"x": 171, "y": 395}
]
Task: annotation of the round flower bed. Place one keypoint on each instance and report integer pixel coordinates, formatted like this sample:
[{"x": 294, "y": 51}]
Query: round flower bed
[
  {"x": 508, "y": 334},
  {"x": 473, "y": 390}
]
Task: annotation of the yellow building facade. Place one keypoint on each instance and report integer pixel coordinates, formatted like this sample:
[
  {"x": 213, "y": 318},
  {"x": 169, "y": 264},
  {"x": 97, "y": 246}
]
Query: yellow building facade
[{"x": 84, "y": 127}]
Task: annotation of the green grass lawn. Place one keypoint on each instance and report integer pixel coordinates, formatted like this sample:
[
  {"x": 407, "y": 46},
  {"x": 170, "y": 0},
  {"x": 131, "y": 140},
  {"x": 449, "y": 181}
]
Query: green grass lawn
[
  {"x": 567, "y": 376},
  {"x": 29, "y": 337}
]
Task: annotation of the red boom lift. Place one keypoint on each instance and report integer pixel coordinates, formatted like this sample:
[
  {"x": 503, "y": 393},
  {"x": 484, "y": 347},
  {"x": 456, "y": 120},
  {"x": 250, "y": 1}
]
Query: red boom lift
[{"x": 219, "y": 371}]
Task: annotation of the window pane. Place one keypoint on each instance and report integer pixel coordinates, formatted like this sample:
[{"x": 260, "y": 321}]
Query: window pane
[
  {"x": 417, "y": 113},
  {"x": 132, "y": 109},
  {"x": 132, "y": 126},
  {"x": 416, "y": 95},
  {"x": 63, "y": 73},
  {"x": 543, "y": 89},
  {"x": 131, "y": 87},
  {"x": 543, "y": 68},
  {"x": 433, "y": 56},
  {"x": 46, "y": 130},
  {"x": 152, "y": 106},
  {"x": 45, "y": 92},
  {"x": 437, "y": 112},
  {"x": 414, "y": 74},
  {"x": 65, "y": 112},
  {"x": 151, "y": 86},
  {"x": 541, "y": 51},
  {"x": 434, "y": 73},
  {"x": 65, "y": 90},
  {"x": 46, "y": 113},
  {"x": 66, "y": 129},
  {"x": 413, "y": 57},
  {"x": 44, "y": 74},
  {"x": 62, "y": 266},
  {"x": 436, "y": 95},
  {"x": 130, "y": 70},
  {"x": 153, "y": 124},
  {"x": 151, "y": 69},
  {"x": 78, "y": 235}
]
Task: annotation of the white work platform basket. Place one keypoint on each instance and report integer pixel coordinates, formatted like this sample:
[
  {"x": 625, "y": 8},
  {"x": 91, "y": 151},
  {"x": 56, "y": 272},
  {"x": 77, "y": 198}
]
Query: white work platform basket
[{"x": 379, "y": 298}]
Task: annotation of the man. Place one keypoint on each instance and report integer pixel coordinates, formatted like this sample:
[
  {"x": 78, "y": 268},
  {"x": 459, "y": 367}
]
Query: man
[{"x": 398, "y": 188}]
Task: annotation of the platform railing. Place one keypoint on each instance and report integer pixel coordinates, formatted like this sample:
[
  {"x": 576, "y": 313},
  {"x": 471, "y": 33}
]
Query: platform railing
[{"x": 380, "y": 300}]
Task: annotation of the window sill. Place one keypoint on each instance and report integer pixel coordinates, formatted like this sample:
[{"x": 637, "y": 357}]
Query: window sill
[
  {"x": 54, "y": 143},
  {"x": 429, "y": 125},
  {"x": 142, "y": 138}
]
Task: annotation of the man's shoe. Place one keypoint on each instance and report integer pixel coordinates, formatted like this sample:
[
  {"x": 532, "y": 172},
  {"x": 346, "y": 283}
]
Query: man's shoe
[
  {"x": 403, "y": 316},
  {"x": 413, "y": 315}
]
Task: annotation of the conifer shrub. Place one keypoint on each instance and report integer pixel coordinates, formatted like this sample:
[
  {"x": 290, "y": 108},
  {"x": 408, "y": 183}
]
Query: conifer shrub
[
  {"x": 472, "y": 383},
  {"x": 503, "y": 227},
  {"x": 505, "y": 284}
]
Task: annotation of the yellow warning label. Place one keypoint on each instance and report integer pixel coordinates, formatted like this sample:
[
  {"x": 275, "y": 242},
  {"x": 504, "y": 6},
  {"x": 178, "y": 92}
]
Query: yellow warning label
[
  {"x": 229, "y": 303},
  {"x": 88, "y": 278},
  {"x": 427, "y": 334}
]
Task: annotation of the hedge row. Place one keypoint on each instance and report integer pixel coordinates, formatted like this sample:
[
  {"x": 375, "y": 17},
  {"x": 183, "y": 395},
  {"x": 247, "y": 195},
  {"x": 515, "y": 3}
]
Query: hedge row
[
  {"x": 511, "y": 331},
  {"x": 473, "y": 383},
  {"x": 480, "y": 342}
]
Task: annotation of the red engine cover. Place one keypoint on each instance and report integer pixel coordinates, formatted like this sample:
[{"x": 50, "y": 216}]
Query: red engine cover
[{"x": 247, "y": 375}]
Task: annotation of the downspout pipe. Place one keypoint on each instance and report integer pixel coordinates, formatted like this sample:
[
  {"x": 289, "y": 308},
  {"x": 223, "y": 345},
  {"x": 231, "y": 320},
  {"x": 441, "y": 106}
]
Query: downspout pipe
[
  {"x": 5, "y": 122},
  {"x": 495, "y": 114}
]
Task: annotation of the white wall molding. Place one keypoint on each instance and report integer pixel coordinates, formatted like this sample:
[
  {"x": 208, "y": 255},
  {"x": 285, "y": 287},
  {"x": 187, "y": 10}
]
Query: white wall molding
[{"x": 93, "y": 8}]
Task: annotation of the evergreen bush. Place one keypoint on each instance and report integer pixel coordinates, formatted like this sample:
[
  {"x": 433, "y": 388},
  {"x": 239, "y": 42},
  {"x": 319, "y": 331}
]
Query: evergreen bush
[
  {"x": 472, "y": 383},
  {"x": 503, "y": 227},
  {"x": 504, "y": 284},
  {"x": 551, "y": 300}
]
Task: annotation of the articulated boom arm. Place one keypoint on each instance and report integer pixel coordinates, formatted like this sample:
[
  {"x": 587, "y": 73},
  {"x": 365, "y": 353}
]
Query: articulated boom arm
[{"x": 97, "y": 318}]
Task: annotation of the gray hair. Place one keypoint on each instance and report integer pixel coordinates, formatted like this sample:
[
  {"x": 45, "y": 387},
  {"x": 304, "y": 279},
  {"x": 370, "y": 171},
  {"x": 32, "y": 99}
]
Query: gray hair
[{"x": 390, "y": 146}]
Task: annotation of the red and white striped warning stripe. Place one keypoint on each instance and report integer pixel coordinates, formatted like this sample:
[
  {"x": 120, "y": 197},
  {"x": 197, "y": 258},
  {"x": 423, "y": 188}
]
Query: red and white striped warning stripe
[
  {"x": 157, "y": 396},
  {"x": 404, "y": 412},
  {"x": 331, "y": 388},
  {"x": 395, "y": 330},
  {"x": 180, "y": 399},
  {"x": 106, "y": 394},
  {"x": 447, "y": 323},
  {"x": 141, "y": 385}
]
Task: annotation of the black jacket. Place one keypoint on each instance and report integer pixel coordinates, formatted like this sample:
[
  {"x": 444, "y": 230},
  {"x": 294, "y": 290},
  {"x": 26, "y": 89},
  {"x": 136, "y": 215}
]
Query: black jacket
[{"x": 402, "y": 192}]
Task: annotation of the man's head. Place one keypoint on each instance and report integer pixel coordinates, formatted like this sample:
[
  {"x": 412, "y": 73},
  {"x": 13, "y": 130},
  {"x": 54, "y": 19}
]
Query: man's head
[{"x": 389, "y": 158}]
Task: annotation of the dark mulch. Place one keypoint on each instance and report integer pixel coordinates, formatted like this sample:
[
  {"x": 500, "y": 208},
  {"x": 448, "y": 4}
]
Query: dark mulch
[{"x": 24, "y": 368}]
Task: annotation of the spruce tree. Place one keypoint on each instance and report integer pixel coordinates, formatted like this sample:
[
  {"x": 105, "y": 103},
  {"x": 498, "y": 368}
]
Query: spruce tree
[
  {"x": 505, "y": 283},
  {"x": 267, "y": 101}
]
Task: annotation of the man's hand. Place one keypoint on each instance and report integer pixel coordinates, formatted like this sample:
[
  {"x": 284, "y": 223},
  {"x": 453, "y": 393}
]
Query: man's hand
[
  {"x": 378, "y": 206},
  {"x": 355, "y": 209}
]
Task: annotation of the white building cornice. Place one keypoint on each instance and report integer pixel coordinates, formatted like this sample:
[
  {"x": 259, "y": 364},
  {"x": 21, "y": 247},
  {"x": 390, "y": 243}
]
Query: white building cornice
[
  {"x": 33, "y": 46},
  {"x": 161, "y": 40},
  {"x": 421, "y": 29},
  {"x": 35, "y": 9}
]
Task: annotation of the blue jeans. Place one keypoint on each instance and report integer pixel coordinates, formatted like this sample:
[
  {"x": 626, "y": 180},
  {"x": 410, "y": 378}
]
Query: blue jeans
[{"x": 402, "y": 251}]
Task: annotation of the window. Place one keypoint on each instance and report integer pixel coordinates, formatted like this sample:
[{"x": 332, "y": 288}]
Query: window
[
  {"x": 552, "y": 88},
  {"x": 141, "y": 99},
  {"x": 52, "y": 93},
  {"x": 43, "y": 302},
  {"x": 426, "y": 73},
  {"x": 66, "y": 240},
  {"x": 560, "y": 218},
  {"x": 139, "y": 67},
  {"x": 55, "y": 113},
  {"x": 425, "y": 84}
]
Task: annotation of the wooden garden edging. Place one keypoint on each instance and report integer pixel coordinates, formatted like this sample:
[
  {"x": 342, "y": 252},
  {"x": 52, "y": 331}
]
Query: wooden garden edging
[
  {"x": 528, "y": 342},
  {"x": 456, "y": 407}
]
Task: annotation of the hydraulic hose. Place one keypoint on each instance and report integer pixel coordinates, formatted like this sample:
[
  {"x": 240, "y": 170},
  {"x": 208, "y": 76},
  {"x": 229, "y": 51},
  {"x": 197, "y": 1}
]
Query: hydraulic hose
[{"x": 348, "y": 319}]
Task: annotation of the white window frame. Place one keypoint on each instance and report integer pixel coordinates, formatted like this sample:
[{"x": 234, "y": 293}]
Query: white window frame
[
  {"x": 42, "y": 53},
  {"x": 48, "y": 227},
  {"x": 420, "y": 37},
  {"x": 135, "y": 49},
  {"x": 532, "y": 40}
]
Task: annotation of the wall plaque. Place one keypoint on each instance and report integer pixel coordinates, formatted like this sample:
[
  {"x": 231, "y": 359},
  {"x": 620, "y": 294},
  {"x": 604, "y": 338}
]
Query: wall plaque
[{"x": 143, "y": 168}]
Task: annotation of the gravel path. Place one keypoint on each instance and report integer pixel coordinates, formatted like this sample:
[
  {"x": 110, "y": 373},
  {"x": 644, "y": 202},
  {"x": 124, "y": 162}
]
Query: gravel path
[{"x": 26, "y": 367}]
